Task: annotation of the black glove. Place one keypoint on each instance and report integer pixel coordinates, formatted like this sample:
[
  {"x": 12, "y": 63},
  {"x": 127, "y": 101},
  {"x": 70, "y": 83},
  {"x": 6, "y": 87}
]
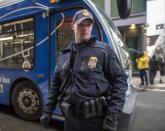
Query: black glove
[
  {"x": 45, "y": 119},
  {"x": 110, "y": 122}
]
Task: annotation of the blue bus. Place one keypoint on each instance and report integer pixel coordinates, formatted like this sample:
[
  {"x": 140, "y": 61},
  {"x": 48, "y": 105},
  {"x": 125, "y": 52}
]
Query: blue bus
[{"x": 32, "y": 33}]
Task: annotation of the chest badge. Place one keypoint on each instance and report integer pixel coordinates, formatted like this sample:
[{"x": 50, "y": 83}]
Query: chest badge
[{"x": 92, "y": 62}]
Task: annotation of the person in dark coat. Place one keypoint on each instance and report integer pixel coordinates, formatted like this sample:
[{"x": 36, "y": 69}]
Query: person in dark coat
[
  {"x": 161, "y": 62},
  {"x": 153, "y": 67},
  {"x": 162, "y": 68}
]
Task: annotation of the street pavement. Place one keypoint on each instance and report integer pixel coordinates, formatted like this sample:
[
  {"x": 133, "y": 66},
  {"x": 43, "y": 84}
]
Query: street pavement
[
  {"x": 150, "y": 107},
  {"x": 157, "y": 86},
  {"x": 9, "y": 121}
]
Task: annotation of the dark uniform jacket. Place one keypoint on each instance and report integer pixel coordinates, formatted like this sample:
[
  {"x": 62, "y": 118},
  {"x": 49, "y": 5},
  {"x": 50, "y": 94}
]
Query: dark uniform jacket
[{"x": 95, "y": 71}]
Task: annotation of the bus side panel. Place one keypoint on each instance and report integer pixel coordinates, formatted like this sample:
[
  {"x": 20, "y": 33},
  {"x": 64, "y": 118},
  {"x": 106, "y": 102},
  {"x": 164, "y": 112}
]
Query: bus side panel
[
  {"x": 5, "y": 83},
  {"x": 38, "y": 74}
]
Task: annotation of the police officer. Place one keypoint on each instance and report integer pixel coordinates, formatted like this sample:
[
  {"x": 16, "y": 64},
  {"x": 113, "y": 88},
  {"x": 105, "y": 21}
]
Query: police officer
[{"x": 90, "y": 81}]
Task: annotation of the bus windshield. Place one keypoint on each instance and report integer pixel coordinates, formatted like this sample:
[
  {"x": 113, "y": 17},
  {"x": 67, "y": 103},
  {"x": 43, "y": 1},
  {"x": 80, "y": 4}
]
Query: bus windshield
[{"x": 117, "y": 38}]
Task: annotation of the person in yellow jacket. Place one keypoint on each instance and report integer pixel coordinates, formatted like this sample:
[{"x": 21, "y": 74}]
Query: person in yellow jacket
[{"x": 143, "y": 66}]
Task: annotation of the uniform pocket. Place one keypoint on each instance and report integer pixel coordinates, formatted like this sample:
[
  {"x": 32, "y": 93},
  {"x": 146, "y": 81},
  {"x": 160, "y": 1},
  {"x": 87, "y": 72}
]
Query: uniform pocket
[{"x": 102, "y": 87}]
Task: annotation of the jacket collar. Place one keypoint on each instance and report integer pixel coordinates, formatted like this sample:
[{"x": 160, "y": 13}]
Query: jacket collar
[
  {"x": 90, "y": 42},
  {"x": 72, "y": 44}
]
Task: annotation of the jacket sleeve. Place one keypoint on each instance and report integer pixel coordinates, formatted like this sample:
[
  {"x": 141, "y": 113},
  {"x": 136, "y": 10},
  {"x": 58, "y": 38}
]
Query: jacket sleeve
[
  {"x": 118, "y": 80},
  {"x": 115, "y": 74},
  {"x": 54, "y": 92}
]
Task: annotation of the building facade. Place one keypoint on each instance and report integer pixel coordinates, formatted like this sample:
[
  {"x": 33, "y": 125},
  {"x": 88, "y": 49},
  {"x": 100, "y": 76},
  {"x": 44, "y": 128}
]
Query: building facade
[{"x": 156, "y": 26}]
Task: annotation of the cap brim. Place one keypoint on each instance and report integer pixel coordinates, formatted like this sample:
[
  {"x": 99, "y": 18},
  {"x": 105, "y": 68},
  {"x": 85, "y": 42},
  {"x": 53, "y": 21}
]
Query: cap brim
[{"x": 84, "y": 18}]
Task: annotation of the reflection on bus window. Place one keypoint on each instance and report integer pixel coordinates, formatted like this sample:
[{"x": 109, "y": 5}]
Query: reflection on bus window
[
  {"x": 65, "y": 34},
  {"x": 17, "y": 44}
]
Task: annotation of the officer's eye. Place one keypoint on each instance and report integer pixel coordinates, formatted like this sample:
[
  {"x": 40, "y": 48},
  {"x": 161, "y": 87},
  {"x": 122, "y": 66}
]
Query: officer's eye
[{"x": 85, "y": 24}]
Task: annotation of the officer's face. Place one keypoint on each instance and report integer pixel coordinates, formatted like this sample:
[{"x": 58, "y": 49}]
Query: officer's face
[{"x": 82, "y": 31}]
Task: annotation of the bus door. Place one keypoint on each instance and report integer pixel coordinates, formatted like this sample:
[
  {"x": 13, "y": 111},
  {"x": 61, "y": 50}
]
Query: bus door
[{"x": 62, "y": 34}]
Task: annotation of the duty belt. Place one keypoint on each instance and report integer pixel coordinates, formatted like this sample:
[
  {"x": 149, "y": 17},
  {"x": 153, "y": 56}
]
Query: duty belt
[{"x": 91, "y": 108}]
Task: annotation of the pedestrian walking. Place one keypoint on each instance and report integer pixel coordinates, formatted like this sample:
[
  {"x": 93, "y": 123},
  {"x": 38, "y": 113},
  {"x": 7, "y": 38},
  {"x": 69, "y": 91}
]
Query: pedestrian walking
[
  {"x": 143, "y": 66},
  {"x": 161, "y": 63},
  {"x": 162, "y": 69},
  {"x": 153, "y": 67},
  {"x": 90, "y": 81}
]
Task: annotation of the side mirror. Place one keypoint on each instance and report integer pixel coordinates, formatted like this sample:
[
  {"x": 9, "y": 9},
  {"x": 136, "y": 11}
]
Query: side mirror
[{"x": 124, "y": 8}]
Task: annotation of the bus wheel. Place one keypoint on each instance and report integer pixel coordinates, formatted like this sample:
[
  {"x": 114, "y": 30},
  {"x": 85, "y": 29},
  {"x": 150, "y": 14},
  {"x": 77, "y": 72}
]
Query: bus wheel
[{"x": 26, "y": 101}]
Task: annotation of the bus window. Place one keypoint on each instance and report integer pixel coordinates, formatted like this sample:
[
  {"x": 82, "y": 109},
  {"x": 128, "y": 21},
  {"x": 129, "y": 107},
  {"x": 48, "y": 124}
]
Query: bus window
[
  {"x": 65, "y": 34},
  {"x": 17, "y": 44}
]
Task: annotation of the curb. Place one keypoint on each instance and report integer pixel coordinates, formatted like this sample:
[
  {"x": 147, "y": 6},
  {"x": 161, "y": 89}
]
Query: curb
[
  {"x": 148, "y": 88},
  {"x": 136, "y": 84}
]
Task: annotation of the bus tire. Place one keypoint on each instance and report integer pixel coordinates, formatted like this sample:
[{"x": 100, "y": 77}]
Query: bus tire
[{"x": 27, "y": 101}]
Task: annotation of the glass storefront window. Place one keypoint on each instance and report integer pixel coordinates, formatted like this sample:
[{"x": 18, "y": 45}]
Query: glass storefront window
[
  {"x": 133, "y": 41},
  {"x": 114, "y": 10},
  {"x": 99, "y": 3},
  {"x": 138, "y": 6}
]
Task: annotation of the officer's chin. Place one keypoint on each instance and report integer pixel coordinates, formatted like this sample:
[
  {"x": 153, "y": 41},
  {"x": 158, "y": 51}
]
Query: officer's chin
[{"x": 85, "y": 39}]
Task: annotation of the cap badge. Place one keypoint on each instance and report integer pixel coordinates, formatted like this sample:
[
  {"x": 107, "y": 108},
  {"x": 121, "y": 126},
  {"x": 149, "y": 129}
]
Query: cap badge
[
  {"x": 92, "y": 62},
  {"x": 85, "y": 13}
]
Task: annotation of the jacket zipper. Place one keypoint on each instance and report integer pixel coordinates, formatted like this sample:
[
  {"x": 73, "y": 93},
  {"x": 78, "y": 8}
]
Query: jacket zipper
[
  {"x": 71, "y": 89},
  {"x": 64, "y": 64},
  {"x": 82, "y": 68}
]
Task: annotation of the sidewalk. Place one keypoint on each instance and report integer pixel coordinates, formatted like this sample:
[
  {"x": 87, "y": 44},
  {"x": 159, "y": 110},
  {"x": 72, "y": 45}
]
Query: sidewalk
[{"x": 136, "y": 83}]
